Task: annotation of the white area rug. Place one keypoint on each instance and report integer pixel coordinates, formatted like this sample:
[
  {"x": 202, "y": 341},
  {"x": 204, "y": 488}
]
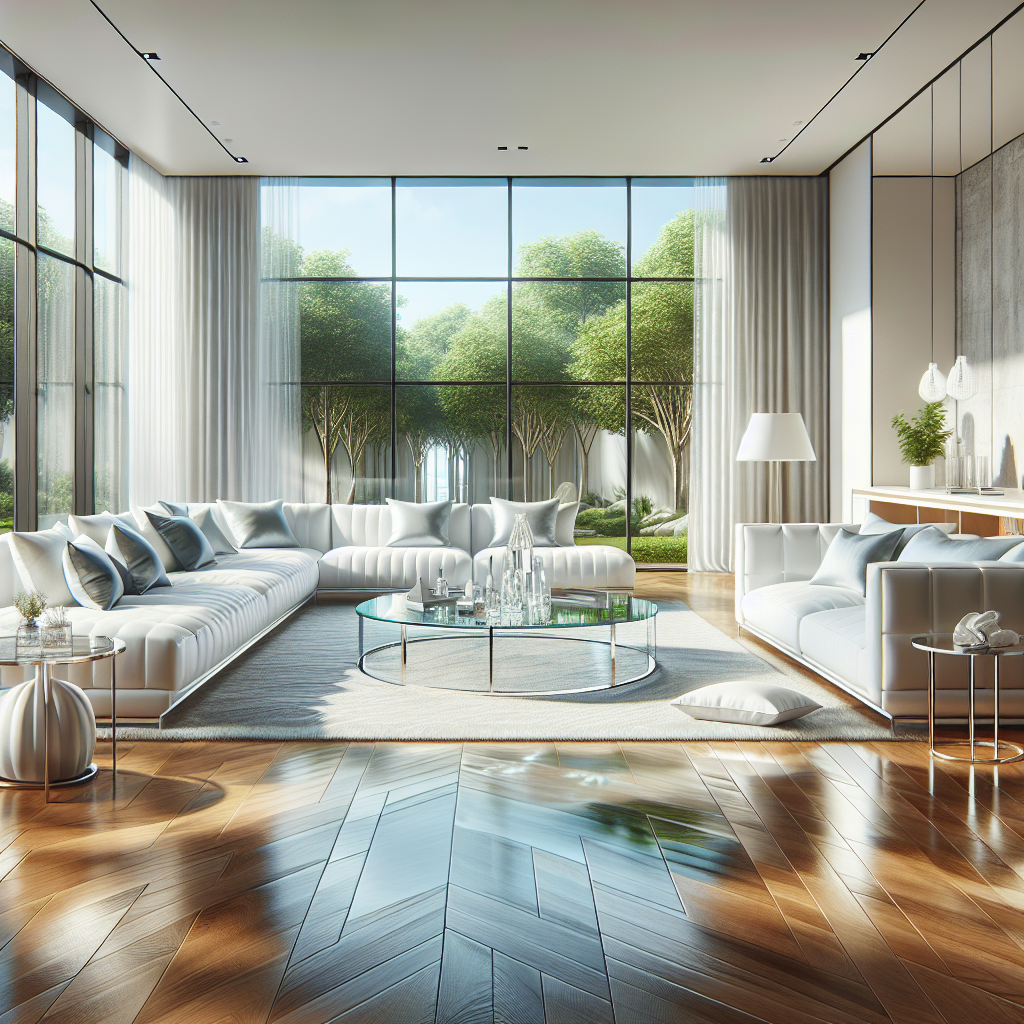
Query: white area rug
[{"x": 303, "y": 683}]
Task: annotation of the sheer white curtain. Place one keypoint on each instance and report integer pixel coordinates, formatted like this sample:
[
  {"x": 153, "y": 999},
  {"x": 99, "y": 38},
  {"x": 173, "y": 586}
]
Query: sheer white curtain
[
  {"x": 205, "y": 410},
  {"x": 760, "y": 345}
]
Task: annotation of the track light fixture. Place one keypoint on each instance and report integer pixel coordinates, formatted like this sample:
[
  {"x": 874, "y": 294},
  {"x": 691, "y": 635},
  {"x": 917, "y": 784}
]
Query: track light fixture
[
  {"x": 241, "y": 160},
  {"x": 149, "y": 55},
  {"x": 864, "y": 56},
  {"x": 767, "y": 159}
]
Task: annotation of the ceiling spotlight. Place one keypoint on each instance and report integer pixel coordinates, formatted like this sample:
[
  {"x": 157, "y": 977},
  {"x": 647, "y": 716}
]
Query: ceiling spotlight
[
  {"x": 522, "y": 147},
  {"x": 767, "y": 159},
  {"x": 864, "y": 56},
  {"x": 503, "y": 147},
  {"x": 215, "y": 122},
  {"x": 240, "y": 160},
  {"x": 149, "y": 55},
  {"x": 796, "y": 124},
  {"x": 227, "y": 140}
]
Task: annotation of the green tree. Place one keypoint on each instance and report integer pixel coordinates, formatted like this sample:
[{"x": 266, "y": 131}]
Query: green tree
[
  {"x": 345, "y": 337},
  {"x": 661, "y": 344}
]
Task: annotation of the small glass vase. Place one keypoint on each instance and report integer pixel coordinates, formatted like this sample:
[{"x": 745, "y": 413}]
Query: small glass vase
[
  {"x": 55, "y": 637},
  {"x": 27, "y": 638}
]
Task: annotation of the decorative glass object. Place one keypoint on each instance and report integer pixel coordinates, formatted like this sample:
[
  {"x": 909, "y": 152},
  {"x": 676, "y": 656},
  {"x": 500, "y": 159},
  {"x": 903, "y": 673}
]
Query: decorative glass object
[
  {"x": 55, "y": 631},
  {"x": 961, "y": 384},
  {"x": 31, "y": 606},
  {"x": 519, "y": 550},
  {"x": 981, "y": 474},
  {"x": 518, "y": 567},
  {"x": 512, "y": 603},
  {"x": 27, "y": 639},
  {"x": 933, "y": 384}
]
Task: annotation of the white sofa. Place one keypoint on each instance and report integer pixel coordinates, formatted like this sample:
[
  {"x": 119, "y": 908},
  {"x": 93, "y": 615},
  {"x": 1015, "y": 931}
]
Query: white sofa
[
  {"x": 862, "y": 641},
  {"x": 181, "y": 635}
]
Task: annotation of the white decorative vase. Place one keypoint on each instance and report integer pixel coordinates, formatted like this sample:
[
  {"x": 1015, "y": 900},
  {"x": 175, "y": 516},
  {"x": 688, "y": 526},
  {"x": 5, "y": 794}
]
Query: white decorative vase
[
  {"x": 922, "y": 478},
  {"x": 72, "y": 731}
]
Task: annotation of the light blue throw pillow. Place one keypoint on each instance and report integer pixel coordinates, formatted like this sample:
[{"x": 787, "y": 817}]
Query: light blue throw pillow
[
  {"x": 206, "y": 522},
  {"x": 848, "y": 556},
  {"x": 139, "y": 558},
  {"x": 876, "y": 524},
  {"x": 932, "y": 545}
]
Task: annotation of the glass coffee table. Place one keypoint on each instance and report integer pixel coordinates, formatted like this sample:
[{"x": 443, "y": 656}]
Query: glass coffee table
[{"x": 595, "y": 640}]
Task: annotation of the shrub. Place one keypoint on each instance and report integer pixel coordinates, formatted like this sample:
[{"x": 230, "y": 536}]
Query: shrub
[{"x": 642, "y": 506}]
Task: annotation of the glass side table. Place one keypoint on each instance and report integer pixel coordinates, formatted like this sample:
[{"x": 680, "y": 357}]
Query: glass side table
[
  {"x": 942, "y": 643},
  {"x": 83, "y": 649}
]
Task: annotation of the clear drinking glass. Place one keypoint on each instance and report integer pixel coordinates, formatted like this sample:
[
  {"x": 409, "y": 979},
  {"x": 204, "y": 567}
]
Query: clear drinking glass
[{"x": 981, "y": 477}]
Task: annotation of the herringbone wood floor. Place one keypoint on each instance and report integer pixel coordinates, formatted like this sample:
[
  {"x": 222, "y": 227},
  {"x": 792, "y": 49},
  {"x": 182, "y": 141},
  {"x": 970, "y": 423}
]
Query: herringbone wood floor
[{"x": 517, "y": 883}]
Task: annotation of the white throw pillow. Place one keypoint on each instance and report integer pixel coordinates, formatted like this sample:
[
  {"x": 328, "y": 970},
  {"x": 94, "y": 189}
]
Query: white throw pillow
[
  {"x": 39, "y": 562},
  {"x": 419, "y": 524},
  {"x": 541, "y": 515},
  {"x": 565, "y": 524},
  {"x": 745, "y": 703},
  {"x": 258, "y": 524},
  {"x": 98, "y": 526},
  {"x": 206, "y": 520}
]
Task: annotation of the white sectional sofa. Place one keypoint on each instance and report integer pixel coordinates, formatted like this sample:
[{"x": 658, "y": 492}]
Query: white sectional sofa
[
  {"x": 179, "y": 636},
  {"x": 862, "y": 641}
]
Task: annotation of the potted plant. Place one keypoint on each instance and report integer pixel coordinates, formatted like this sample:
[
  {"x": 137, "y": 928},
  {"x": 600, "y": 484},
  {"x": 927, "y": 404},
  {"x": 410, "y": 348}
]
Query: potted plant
[
  {"x": 922, "y": 440},
  {"x": 30, "y": 606}
]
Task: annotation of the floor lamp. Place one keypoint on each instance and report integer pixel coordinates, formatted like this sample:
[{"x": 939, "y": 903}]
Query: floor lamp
[{"x": 775, "y": 437}]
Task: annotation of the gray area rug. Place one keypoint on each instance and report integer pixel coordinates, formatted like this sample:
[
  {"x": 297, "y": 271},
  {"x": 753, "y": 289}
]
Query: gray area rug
[{"x": 303, "y": 683}]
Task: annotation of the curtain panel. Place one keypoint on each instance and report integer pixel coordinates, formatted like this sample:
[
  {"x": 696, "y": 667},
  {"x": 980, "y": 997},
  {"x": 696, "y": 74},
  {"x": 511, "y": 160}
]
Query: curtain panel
[
  {"x": 206, "y": 419},
  {"x": 760, "y": 345}
]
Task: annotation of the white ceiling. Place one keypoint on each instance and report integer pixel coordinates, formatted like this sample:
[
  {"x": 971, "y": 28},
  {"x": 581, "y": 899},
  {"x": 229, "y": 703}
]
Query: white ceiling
[{"x": 412, "y": 87}]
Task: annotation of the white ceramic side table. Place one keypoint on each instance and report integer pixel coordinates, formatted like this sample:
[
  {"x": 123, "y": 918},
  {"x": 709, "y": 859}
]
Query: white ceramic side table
[{"x": 83, "y": 649}]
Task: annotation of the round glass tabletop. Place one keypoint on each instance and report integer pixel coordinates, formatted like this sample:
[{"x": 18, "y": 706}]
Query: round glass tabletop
[
  {"x": 942, "y": 643},
  {"x": 571, "y": 609},
  {"x": 82, "y": 648}
]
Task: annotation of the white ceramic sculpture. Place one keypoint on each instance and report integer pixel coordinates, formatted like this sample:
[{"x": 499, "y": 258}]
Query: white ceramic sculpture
[
  {"x": 979, "y": 630},
  {"x": 72, "y": 732}
]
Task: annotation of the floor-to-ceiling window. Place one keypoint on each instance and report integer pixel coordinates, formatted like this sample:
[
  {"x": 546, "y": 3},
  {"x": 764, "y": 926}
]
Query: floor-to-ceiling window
[
  {"x": 523, "y": 337},
  {"x": 62, "y": 371}
]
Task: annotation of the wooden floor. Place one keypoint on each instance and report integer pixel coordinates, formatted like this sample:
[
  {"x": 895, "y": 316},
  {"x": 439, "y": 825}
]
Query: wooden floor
[{"x": 634, "y": 883}]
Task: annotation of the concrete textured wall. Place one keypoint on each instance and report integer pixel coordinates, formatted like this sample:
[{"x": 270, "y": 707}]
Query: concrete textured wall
[{"x": 990, "y": 308}]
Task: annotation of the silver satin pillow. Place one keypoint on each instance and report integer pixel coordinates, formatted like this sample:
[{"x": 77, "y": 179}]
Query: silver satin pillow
[
  {"x": 258, "y": 524},
  {"x": 185, "y": 539},
  {"x": 214, "y": 534},
  {"x": 91, "y": 576},
  {"x": 419, "y": 524},
  {"x": 541, "y": 515},
  {"x": 138, "y": 556},
  {"x": 846, "y": 561},
  {"x": 874, "y": 524},
  {"x": 932, "y": 545}
]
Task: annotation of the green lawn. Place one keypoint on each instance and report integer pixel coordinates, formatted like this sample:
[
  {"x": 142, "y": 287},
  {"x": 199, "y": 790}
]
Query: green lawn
[{"x": 647, "y": 550}]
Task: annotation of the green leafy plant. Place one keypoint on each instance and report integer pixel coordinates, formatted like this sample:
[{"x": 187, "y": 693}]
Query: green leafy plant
[
  {"x": 922, "y": 439},
  {"x": 31, "y": 606}
]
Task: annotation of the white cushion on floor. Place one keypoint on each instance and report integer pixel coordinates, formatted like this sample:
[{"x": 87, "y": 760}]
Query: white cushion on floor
[
  {"x": 777, "y": 610},
  {"x": 745, "y": 702}
]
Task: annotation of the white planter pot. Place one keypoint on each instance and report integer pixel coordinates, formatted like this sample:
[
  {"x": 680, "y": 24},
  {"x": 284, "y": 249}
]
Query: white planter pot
[
  {"x": 922, "y": 478},
  {"x": 72, "y": 732}
]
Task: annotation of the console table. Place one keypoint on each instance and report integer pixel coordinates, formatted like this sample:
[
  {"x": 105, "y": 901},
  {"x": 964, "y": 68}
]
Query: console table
[{"x": 984, "y": 514}]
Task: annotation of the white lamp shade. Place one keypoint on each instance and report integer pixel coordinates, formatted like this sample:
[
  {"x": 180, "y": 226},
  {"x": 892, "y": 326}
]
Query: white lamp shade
[
  {"x": 933, "y": 384},
  {"x": 960, "y": 385},
  {"x": 776, "y": 437}
]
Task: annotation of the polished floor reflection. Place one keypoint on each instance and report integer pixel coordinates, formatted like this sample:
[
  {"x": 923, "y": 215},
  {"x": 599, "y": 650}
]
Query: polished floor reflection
[{"x": 517, "y": 883}]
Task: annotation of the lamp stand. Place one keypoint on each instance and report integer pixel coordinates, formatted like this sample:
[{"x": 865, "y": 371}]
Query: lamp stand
[{"x": 774, "y": 492}]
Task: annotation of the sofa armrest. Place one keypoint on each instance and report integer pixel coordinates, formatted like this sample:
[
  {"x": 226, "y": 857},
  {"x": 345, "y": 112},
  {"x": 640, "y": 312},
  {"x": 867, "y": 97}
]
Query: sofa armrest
[
  {"x": 768, "y": 553},
  {"x": 908, "y": 599}
]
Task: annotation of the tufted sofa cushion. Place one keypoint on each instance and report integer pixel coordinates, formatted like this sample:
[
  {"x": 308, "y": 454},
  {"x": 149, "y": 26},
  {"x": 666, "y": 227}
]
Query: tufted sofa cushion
[
  {"x": 778, "y": 609},
  {"x": 591, "y": 565},
  {"x": 355, "y": 567},
  {"x": 837, "y": 641}
]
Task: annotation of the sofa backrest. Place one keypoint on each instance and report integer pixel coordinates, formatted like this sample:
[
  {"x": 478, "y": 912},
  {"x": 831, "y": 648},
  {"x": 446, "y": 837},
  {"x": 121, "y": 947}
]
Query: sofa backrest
[
  {"x": 311, "y": 524},
  {"x": 370, "y": 526}
]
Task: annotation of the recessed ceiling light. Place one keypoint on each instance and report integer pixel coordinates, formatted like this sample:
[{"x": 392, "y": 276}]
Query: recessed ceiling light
[
  {"x": 796, "y": 124},
  {"x": 215, "y": 122},
  {"x": 503, "y": 147},
  {"x": 227, "y": 140},
  {"x": 523, "y": 147},
  {"x": 780, "y": 140},
  {"x": 864, "y": 56},
  {"x": 149, "y": 55}
]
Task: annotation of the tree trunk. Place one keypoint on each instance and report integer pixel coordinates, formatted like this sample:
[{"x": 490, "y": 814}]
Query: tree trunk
[
  {"x": 551, "y": 479},
  {"x": 584, "y": 472}
]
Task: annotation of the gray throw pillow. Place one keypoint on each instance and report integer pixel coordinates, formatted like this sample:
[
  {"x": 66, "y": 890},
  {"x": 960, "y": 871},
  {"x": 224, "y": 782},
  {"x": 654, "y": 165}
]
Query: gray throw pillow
[
  {"x": 541, "y": 515},
  {"x": 185, "y": 539},
  {"x": 932, "y": 545},
  {"x": 258, "y": 524},
  {"x": 175, "y": 508},
  {"x": 419, "y": 524},
  {"x": 139, "y": 558},
  {"x": 876, "y": 524},
  {"x": 91, "y": 576},
  {"x": 206, "y": 522},
  {"x": 846, "y": 561},
  {"x": 745, "y": 703}
]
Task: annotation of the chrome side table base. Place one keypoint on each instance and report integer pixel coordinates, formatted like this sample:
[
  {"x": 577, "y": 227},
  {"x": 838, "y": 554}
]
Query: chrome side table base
[
  {"x": 933, "y": 645},
  {"x": 88, "y": 774}
]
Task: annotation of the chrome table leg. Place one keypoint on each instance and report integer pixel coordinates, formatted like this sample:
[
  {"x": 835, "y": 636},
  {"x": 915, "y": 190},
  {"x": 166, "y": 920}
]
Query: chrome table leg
[{"x": 405, "y": 652}]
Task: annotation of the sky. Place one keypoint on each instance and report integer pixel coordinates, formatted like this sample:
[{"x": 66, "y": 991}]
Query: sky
[
  {"x": 55, "y": 169},
  {"x": 454, "y": 229},
  {"x": 8, "y": 121}
]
